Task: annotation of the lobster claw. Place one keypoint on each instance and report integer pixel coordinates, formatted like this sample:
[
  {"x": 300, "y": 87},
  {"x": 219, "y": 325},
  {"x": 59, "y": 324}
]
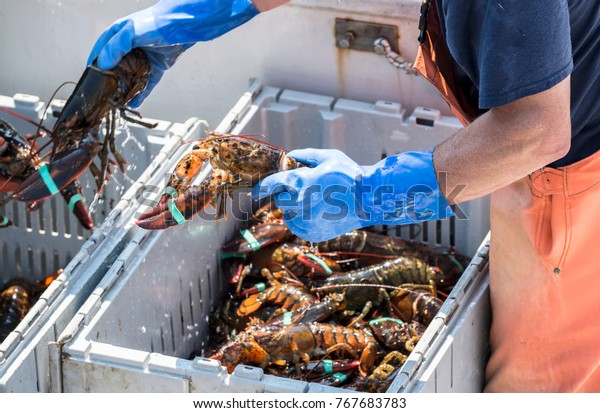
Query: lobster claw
[
  {"x": 50, "y": 179},
  {"x": 257, "y": 237},
  {"x": 189, "y": 202},
  {"x": 73, "y": 196}
]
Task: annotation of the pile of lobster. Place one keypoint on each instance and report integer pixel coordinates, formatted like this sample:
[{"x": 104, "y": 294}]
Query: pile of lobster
[
  {"x": 30, "y": 174},
  {"x": 346, "y": 312}
]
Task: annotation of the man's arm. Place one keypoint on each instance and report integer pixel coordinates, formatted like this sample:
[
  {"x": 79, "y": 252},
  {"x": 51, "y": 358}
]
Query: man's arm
[
  {"x": 507, "y": 143},
  {"x": 264, "y": 5}
]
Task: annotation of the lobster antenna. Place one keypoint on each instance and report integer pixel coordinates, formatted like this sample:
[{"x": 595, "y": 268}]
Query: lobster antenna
[
  {"x": 48, "y": 106},
  {"x": 358, "y": 254},
  {"x": 25, "y": 118},
  {"x": 333, "y": 287}
]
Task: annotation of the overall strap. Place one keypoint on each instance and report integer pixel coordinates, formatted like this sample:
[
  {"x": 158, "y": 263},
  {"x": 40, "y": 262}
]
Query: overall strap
[{"x": 435, "y": 63}]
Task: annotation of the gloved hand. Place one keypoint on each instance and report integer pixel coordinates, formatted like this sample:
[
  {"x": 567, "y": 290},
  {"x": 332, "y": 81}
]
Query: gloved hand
[
  {"x": 166, "y": 30},
  {"x": 336, "y": 195}
]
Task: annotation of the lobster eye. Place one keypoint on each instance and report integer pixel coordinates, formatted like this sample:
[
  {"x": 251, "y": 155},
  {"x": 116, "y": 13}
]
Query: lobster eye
[{"x": 196, "y": 146}]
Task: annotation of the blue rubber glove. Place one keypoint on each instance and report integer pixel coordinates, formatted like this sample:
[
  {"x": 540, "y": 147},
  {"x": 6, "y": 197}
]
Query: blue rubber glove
[
  {"x": 336, "y": 195},
  {"x": 166, "y": 30}
]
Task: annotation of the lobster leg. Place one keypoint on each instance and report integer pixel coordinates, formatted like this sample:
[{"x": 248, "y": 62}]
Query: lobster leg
[{"x": 103, "y": 155}]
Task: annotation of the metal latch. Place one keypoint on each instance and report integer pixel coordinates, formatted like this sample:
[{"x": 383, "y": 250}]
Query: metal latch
[{"x": 371, "y": 37}]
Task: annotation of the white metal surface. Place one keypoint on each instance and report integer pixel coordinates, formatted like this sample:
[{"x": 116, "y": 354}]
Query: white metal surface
[
  {"x": 43, "y": 241},
  {"x": 292, "y": 47},
  {"x": 140, "y": 325}
]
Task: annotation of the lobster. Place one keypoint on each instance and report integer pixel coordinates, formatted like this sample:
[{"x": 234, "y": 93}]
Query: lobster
[
  {"x": 269, "y": 344},
  {"x": 19, "y": 161},
  {"x": 383, "y": 375},
  {"x": 360, "y": 241},
  {"x": 288, "y": 296},
  {"x": 395, "y": 334},
  {"x": 412, "y": 305},
  {"x": 395, "y": 272},
  {"x": 16, "y": 298},
  {"x": 366, "y": 248},
  {"x": 238, "y": 161},
  {"x": 76, "y": 133}
]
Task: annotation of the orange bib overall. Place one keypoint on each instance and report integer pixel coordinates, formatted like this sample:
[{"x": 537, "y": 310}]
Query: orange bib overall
[{"x": 545, "y": 333}]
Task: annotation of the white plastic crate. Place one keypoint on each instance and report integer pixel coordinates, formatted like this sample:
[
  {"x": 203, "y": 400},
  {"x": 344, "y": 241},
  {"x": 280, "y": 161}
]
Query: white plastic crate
[
  {"x": 151, "y": 310},
  {"x": 42, "y": 241}
]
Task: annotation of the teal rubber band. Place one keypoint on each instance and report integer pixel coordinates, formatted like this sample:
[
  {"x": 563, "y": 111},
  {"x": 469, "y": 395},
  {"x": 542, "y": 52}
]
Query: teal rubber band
[
  {"x": 379, "y": 320},
  {"x": 249, "y": 237},
  {"x": 48, "y": 181},
  {"x": 341, "y": 377},
  {"x": 74, "y": 200},
  {"x": 179, "y": 218},
  {"x": 260, "y": 287},
  {"x": 4, "y": 220},
  {"x": 328, "y": 365},
  {"x": 320, "y": 262},
  {"x": 455, "y": 261},
  {"x": 170, "y": 191},
  {"x": 287, "y": 318},
  {"x": 233, "y": 255}
]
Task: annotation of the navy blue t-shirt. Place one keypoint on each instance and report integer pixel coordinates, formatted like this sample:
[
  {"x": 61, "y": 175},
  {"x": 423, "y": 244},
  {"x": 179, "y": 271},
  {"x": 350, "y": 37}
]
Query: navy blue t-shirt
[{"x": 510, "y": 49}]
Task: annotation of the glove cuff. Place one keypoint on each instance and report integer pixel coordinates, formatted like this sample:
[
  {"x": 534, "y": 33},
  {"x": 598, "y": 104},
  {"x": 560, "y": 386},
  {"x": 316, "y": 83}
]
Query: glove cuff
[
  {"x": 184, "y": 21},
  {"x": 401, "y": 189}
]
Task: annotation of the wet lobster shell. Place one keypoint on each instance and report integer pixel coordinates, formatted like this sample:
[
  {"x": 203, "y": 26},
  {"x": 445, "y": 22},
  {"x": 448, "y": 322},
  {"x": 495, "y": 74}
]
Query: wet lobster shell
[{"x": 96, "y": 92}]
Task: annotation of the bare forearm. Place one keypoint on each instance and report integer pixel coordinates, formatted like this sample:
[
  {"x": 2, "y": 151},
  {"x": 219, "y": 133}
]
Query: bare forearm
[
  {"x": 264, "y": 5},
  {"x": 503, "y": 146}
]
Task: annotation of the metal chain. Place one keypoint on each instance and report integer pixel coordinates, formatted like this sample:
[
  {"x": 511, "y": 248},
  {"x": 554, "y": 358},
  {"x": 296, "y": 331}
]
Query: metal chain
[{"x": 382, "y": 46}]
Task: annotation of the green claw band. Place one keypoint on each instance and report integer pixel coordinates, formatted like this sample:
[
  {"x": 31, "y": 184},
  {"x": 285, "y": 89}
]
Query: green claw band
[
  {"x": 170, "y": 191},
  {"x": 260, "y": 287},
  {"x": 249, "y": 237},
  {"x": 287, "y": 318},
  {"x": 179, "y": 218},
  {"x": 379, "y": 320},
  {"x": 328, "y": 365},
  {"x": 226, "y": 255},
  {"x": 76, "y": 198},
  {"x": 455, "y": 261},
  {"x": 341, "y": 377},
  {"x": 320, "y": 262},
  {"x": 3, "y": 220},
  {"x": 48, "y": 181}
]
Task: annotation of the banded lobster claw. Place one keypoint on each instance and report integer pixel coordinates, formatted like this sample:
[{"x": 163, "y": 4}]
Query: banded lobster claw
[
  {"x": 182, "y": 206},
  {"x": 73, "y": 196},
  {"x": 49, "y": 180},
  {"x": 76, "y": 133}
]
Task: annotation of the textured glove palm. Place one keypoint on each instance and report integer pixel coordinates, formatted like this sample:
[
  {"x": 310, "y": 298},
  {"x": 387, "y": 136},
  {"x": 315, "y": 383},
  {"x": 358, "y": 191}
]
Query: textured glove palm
[
  {"x": 336, "y": 195},
  {"x": 166, "y": 30}
]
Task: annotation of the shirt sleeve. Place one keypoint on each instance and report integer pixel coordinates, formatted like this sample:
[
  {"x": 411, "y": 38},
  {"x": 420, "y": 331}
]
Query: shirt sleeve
[{"x": 525, "y": 49}]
